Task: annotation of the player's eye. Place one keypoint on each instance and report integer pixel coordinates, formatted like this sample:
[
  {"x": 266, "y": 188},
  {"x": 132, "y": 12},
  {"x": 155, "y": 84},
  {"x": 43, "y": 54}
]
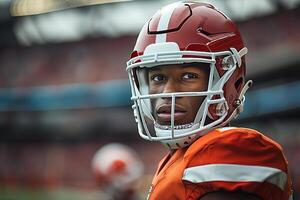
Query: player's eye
[
  {"x": 190, "y": 75},
  {"x": 158, "y": 77}
]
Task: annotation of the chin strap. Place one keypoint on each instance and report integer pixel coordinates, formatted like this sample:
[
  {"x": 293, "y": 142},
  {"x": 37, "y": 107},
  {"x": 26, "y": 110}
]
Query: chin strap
[
  {"x": 240, "y": 101},
  {"x": 239, "y": 104}
]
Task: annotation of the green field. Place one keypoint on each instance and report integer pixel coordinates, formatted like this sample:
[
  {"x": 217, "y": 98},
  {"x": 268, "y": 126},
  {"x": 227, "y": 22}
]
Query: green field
[{"x": 54, "y": 194}]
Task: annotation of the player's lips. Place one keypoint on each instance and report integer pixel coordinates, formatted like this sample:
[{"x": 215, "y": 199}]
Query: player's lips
[{"x": 164, "y": 112}]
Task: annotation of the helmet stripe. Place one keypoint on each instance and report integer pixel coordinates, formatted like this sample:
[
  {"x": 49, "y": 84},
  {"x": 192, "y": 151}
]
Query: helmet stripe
[{"x": 164, "y": 20}]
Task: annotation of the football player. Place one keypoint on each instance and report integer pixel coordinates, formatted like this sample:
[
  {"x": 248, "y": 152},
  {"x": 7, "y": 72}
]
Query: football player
[
  {"x": 117, "y": 169},
  {"x": 187, "y": 76}
]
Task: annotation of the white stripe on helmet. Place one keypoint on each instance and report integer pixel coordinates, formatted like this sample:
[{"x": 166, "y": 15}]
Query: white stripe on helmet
[{"x": 166, "y": 13}]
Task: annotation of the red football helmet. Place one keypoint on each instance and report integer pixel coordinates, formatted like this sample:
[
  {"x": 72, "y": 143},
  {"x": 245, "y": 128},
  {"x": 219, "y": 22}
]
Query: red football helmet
[
  {"x": 116, "y": 167},
  {"x": 189, "y": 32}
]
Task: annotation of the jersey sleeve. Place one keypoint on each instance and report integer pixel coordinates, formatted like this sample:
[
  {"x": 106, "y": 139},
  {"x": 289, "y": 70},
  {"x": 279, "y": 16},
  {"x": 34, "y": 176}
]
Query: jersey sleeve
[{"x": 237, "y": 160}]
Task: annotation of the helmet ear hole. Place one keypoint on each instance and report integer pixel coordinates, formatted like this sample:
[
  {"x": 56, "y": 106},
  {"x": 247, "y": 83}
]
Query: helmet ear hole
[{"x": 238, "y": 84}]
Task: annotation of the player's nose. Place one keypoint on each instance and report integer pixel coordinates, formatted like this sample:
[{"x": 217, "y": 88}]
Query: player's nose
[{"x": 170, "y": 86}]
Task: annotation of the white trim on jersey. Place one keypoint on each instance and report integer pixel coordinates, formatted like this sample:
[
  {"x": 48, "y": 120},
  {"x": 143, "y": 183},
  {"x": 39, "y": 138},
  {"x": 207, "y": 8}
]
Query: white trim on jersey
[
  {"x": 235, "y": 173},
  {"x": 226, "y": 128},
  {"x": 164, "y": 20}
]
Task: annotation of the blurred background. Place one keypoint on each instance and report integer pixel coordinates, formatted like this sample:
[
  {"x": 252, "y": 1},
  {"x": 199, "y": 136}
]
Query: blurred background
[{"x": 64, "y": 90}]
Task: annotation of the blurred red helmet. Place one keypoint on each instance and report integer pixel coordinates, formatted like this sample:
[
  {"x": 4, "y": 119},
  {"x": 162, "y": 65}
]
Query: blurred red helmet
[
  {"x": 116, "y": 167},
  {"x": 190, "y": 32}
]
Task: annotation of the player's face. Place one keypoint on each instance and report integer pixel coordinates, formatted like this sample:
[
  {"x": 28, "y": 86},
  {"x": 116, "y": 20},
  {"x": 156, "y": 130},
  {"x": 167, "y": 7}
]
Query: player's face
[{"x": 177, "y": 78}]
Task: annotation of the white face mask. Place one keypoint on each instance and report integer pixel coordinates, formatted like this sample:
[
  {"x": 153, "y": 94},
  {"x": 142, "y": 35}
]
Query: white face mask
[{"x": 176, "y": 136}]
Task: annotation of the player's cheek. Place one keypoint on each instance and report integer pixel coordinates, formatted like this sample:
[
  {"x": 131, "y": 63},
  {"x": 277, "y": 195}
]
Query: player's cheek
[{"x": 195, "y": 104}]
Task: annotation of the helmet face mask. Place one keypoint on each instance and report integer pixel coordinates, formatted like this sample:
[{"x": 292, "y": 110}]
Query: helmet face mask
[{"x": 226, "y": 69}]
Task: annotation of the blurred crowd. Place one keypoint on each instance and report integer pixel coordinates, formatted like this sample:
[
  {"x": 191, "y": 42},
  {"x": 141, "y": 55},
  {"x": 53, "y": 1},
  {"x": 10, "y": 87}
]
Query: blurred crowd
[{"x": 58, "y": 160}]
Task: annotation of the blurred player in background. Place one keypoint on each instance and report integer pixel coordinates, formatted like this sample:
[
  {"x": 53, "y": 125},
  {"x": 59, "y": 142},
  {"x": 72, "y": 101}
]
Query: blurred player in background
[
  {"x": 187, "y": 75},
  {"x": 117, "y": 169}
]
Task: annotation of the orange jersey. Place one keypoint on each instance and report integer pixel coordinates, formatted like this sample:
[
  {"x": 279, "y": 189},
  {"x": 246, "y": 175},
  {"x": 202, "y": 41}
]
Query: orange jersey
[{"x": 230, "y": 159}]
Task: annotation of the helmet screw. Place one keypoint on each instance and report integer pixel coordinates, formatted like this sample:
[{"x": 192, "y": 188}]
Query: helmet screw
[
  {"x": 227, "y": 63},
  {"x": 237, "y": 103},
  {"x": 220, "y": 109}
]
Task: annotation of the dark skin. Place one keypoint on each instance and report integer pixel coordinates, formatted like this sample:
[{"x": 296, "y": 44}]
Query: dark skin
[
  {"x": 168, "y": 79},
  {"x": 187, "y": 78}
]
